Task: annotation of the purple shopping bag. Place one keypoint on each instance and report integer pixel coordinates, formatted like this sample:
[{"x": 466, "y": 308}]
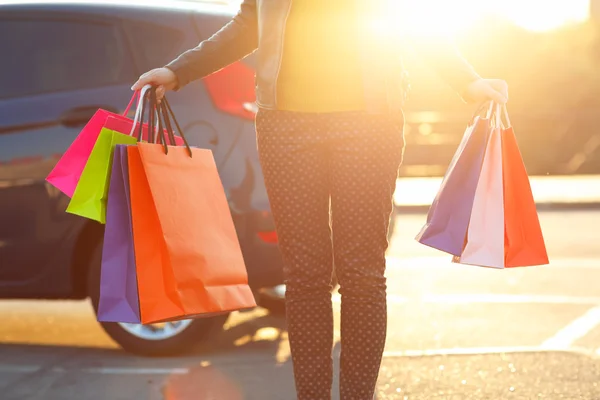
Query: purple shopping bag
[
  {"x": 449, "y": 215},
  {"x": 119, "y": 300}
]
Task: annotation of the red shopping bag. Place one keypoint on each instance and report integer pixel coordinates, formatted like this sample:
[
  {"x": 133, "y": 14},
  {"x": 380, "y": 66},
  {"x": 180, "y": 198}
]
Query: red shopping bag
[
  {"x": 188, "y": 258},
  {"x": 523, "y": 239}
]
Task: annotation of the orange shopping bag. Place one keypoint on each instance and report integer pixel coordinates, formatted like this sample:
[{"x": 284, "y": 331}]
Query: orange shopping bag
[
  {"x": 189, "y": 261},
  {"x": 523, "y": 239}
]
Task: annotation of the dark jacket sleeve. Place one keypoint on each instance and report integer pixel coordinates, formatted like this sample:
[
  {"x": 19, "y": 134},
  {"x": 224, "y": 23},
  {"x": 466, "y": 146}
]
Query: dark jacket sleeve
[
  {"x": 231, "y": 43},
  {"x": 444, "y": 58}
]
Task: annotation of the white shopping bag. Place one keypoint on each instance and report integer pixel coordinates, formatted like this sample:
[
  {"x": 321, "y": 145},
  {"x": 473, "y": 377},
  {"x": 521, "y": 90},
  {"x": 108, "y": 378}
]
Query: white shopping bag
[{"x": 485, "y": 235}]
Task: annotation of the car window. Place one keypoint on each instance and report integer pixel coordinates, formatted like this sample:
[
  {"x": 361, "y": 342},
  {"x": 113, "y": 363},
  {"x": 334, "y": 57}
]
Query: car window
[
  {"x": 41, "y": 56},
  {"x": 153, "y": 45}
]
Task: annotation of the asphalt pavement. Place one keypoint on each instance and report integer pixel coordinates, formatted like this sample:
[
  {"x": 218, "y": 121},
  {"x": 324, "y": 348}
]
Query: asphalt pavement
[{"x": 455, "y": 332}]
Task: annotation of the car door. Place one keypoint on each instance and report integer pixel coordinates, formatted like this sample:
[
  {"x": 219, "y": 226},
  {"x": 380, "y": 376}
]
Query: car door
[{"x": 57, "y": 70}]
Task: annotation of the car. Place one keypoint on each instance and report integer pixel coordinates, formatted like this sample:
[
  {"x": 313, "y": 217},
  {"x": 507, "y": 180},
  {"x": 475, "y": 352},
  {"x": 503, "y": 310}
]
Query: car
[{"x": 63, "y": 60}]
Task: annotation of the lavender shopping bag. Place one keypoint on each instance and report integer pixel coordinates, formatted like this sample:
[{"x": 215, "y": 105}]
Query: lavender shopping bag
[
  {"x": 118, "y": 282},
  {"x": 449, "y": 215}
]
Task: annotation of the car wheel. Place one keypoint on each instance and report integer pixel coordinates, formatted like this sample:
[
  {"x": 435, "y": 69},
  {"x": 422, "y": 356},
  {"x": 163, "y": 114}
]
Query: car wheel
[{"x": 164, "y": 339}]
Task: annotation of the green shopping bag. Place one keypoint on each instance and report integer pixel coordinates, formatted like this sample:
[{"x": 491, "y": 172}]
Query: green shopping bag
[{"x": 89, "y": 198}]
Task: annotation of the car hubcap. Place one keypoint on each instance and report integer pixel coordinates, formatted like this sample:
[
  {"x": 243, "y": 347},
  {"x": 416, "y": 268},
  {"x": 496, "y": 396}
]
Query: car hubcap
[
  {"x": 277, "y": 292},
  {"x": 160, "y": 331}
]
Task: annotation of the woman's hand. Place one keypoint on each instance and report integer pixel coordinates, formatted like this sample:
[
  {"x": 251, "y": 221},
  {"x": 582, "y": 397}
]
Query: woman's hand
[
  {"x": 163, "y": 78},
  {"x": 487, "y": 89}
]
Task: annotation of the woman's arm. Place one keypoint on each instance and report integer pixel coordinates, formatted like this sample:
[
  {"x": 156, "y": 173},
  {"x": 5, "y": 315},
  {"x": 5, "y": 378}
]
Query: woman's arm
[
  {"x": 444, "y": 58},
  {"x": 231, "y": 43}
]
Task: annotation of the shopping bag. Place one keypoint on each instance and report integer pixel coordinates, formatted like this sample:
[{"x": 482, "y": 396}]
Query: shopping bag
[
  {"x": 524, "y": 242},
  {"x": 118, "y": 279},
  {"x": 89, "y": 198},
  {"x": 485, "y": 234},
  {"x": 66, "y": 173},
  {"x": 189, "y": 261},
  {"x": 449, "y": 214}
]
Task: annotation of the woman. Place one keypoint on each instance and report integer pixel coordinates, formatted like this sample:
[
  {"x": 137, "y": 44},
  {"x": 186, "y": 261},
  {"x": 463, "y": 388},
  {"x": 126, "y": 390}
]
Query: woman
[{"x": 329, "y": 130}]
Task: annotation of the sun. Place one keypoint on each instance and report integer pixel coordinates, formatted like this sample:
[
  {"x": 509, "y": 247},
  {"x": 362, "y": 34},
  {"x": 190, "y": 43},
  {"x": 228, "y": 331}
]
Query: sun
[
  {"x": 435, "y": 17},
  {"x": 541, "y": 16}
]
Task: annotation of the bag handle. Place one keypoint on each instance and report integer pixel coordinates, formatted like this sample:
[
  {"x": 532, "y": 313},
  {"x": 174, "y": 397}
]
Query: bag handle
[
  {"x": 162, "y": 112},
  {"x": 131, "y": 101},
  {"x": 141, "y": 99},
  {"x": 494, "y": 118},
  {"x": 505, "y": 112},
  {"x": 500, "y": 112},
  {"x": 161, "y": 131},
  {"x": 145, "y": 102},
  {"x": 167, "y": 110},
  {"x": 490, "y": 109}
]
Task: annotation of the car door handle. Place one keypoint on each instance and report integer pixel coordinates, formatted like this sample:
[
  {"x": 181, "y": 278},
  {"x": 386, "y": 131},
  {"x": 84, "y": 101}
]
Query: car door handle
[{"x": 79, "y": 116}]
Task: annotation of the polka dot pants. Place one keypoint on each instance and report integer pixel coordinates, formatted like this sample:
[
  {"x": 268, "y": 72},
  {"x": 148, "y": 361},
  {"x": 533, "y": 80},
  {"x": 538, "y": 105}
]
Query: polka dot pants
[{"x": 346, "y": 163}]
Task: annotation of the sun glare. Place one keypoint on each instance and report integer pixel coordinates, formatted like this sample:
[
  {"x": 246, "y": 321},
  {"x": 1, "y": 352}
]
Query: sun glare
[
  {"x": 434, "y": 17},
  {"x": 443, "y": 16},
  {"x": 544, "y": 15}
]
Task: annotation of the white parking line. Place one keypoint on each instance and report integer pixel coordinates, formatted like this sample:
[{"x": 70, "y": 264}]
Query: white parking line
[
  {"x": 22, "y": 369},
  {"x": 134, "y": 371},
  {"x": 27, "y": 369},
  {"x": 484, "y": 298},
  {"x": 509, "y": 299},
  {"x": 445, "y": 262},
  {"x": 575, "y": 330},
  {"x": 483, "y": 350}
]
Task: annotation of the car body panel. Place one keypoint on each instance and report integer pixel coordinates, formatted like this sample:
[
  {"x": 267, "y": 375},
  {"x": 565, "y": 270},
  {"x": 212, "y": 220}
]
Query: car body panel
[{"x": 38, "y": 240}]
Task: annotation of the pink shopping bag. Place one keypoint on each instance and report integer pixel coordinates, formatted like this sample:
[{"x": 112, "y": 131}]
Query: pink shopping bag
[
  {"x": 66, "y": 173},
  {"x": 485, "y": 236}
]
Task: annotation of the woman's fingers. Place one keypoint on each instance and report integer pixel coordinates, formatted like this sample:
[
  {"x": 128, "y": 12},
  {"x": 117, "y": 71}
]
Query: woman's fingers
[
  {"x": 162, "y": 78},
  {"x": 160, "y": 93},
  {"x": 146, "y": 79}
]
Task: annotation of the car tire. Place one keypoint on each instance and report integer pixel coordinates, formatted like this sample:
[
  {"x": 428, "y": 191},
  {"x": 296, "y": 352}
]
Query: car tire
[{"x": 144, "y": 340}]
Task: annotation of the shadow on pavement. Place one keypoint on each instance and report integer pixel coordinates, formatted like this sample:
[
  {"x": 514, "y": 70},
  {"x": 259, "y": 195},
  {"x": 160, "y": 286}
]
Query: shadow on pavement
[
  {"x": 263, "y": 333},
  {"x": 248, "y": 360}
]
